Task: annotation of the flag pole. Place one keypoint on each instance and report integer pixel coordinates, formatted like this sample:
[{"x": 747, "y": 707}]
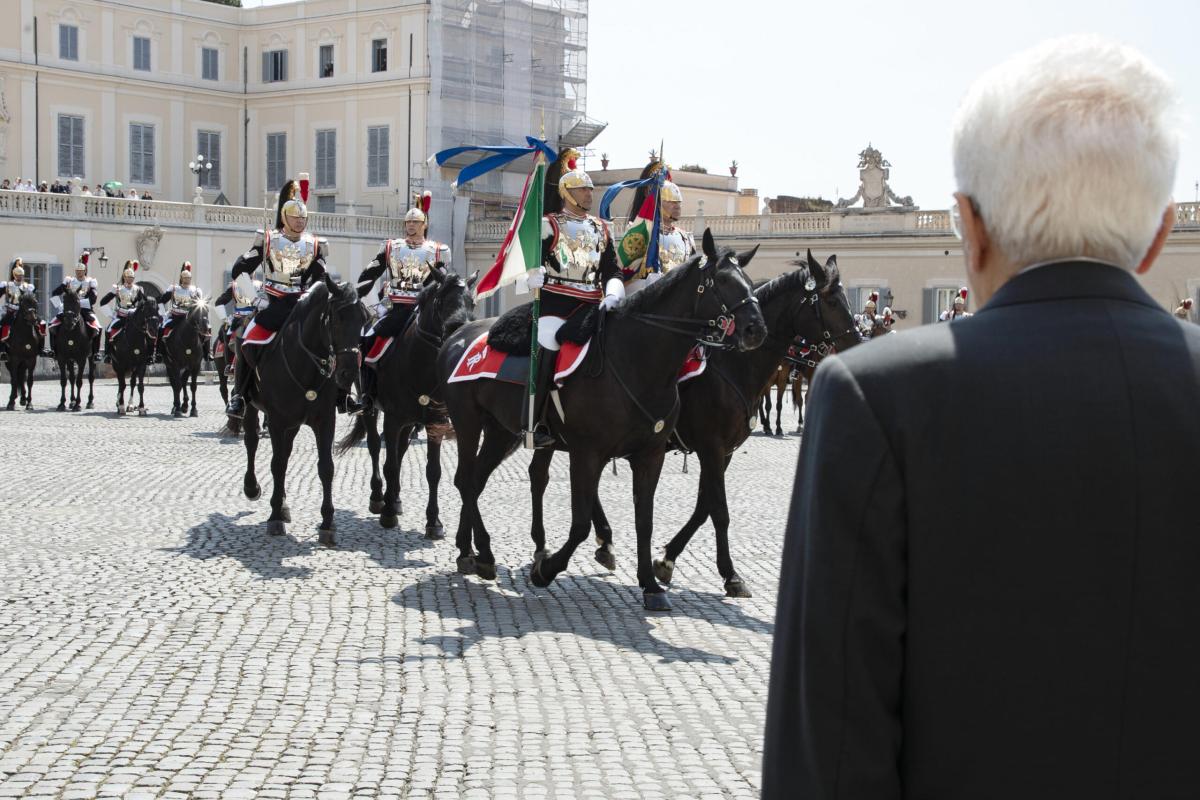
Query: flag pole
[{"x": 531, "y": 400}]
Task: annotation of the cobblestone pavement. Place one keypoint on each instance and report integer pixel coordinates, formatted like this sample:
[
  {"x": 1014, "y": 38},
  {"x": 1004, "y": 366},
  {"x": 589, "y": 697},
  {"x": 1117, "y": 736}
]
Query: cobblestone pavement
[{"x": 155, "y": 642}]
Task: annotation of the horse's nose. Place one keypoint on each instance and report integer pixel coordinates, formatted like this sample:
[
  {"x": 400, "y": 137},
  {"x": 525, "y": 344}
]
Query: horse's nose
[{"x": 753, "y": 335}]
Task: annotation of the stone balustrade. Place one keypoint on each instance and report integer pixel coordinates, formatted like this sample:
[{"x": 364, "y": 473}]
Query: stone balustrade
[
  {"x": 815, "y": 225},
  {"x": 41, "y": 205}
]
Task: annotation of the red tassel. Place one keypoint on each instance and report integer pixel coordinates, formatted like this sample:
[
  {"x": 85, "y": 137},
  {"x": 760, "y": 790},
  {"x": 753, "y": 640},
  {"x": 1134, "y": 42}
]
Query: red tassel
[
  {"x": 83, "y": 257},
  {"x": 571, "y": 164},
  {"x": 426, "y": 201}
]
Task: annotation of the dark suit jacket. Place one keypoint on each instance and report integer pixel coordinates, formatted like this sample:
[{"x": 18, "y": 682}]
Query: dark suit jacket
[{"x": 991, "y": 576}]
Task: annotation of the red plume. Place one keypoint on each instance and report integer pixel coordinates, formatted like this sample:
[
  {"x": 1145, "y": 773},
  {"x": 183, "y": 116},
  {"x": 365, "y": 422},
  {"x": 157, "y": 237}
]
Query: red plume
[
  {"x": 304, "y": 187},
  {"x": 571, "y": 164},
  {"x": 135, "y": 265},
  {"x": 1187, "y": 303},
  {"x": 426, "y": 200},
  {"x": 963, "y": 293},
  {"x": 669, "y": 176},
  {"x": 83, "y": 257},
  {"x": 874, "y": 298}
]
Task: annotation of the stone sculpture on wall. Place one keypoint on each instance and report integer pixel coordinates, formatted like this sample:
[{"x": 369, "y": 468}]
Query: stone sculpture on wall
[
  {"x": 147, "y": 245},
  {"x": 873, "y": 189}
]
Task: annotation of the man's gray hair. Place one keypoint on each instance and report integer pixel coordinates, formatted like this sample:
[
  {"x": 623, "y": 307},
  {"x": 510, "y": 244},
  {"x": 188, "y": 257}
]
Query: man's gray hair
[{"x": 1070, "y": 149}]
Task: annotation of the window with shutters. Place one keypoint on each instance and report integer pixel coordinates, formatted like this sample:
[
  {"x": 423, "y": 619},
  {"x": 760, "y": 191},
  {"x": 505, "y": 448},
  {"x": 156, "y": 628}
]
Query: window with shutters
[
  {"x": 325, "y": 61},
  {"x": 378, "y": 142},
  {"x": 141, "y": 153},
  {"x": 208, "y": 144},
  {"x": 378, "y": 55},
  {"x": 274, "y": 66},
  {"x": 68, "y": 42},
  {"x": 208, "y": 63},
  {"x": 70, "y": 146},
  {"x": 326, "y": 167},
  {"x": 276, "y": 160},
  {"x": 141, "y": 53}
]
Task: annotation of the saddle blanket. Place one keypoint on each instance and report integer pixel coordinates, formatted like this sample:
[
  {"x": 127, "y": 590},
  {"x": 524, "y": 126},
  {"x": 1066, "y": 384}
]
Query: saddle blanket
[
  {"x": 257, "y": 334},
  {"x": 219, "y": 350},
  {"x": 379, "y": 348},
  {"x": 693, "y": 366},
  {"x": 482, "y": 361}
]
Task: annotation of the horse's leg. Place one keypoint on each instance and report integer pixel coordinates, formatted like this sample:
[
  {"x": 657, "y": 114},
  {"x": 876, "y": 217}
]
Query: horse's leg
[
  {"x": 62, "y": 385},
  {"x": 176, "y": 381},
  {"x": 141, "y": 382},
  {"x": 798, "y": 401},
  {"x": 91, "y": 377},
  {"x": 121, "y": 392},
  {"x": 324, "y": 433},
  {"x": 433, "y": 478},
  {"x": 250, "y": 482},
  {"x": 539, "y": 479},
  {"x": 664, "y": 569},
  {"x": 604, "y": 536},
  {"x": 372, "y": 423},
  {"x": 647, "y": 467},
  {"x": 281, "y": 450},
  {"x": 393, "y": 432},
  {"x": 17, "y": 379},
  {"x": 468, "y": 430},
  {"x": 30, "y": 369},
  {"x": 715, "y": 491},
  {"x": 585, "y": 480},
  {"x": 779, "y": 391},
  {"x": 497, "y": 444},
  {"x": 195, "y": 412},
  {"x": 764, "y": 411}
]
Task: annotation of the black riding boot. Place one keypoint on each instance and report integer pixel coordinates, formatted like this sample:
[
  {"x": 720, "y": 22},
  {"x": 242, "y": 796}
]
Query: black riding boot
[
  {"x": 346, "y": 404},
  {"x": 107, "y": 348},
  {"x": 547, "y": 360},
  {"x": 3, "y": 352},
  {"x": 207, "y": 349},
  {"x": 53, "y": 342},
  {"x": 367, "y": 396},
  {"x": 96, "y": 348},
  {"x": 243, "y": 374}
]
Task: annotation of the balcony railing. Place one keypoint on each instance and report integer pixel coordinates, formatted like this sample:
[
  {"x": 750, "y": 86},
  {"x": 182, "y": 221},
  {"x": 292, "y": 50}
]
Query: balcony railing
[
  {"x": 41, "y": 205},
  {"x": 814, "y": 225}
]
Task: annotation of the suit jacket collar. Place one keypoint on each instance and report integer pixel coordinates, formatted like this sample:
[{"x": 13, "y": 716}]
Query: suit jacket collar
[{"x": 1065, "y": 280}]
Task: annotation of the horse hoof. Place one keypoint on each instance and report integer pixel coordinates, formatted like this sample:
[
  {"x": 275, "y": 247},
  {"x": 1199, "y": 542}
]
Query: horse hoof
[
  {"x": 656, "y": 601},
  {"x": 779, "y": 431},
  {"x": 120, "y": 411},
  {"x": 195, "y": 412},
  {"x": 466, "y": 565},
  {"x": 664, "y": 570},
  {"x": 326, "y": 539},
  {"x": 285, "y": 513},
  {"x": 389, "y": 520},
  {"x": 11, "y": 406},
  {"x": 736, "y": 587},
  {"x": 142, "y": 412},
  {"x": 376, "y": 506},
  {"x": 535, "y": 570},
  {"x": 175, "y": 412},
  {"x": 436, "y": 532},
  {"x": 485, "y": 571},
  {"x": 62, "y": 406},
  {"x": 606, "y": 558},
  {"x": 276, "y": 527},
  {"x": 252, "y": 491},
  {"x": 90, "y": 405}
]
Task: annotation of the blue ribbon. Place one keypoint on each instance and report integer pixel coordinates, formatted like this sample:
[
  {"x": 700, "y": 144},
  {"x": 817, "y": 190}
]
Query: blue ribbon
[
  {"x": 501, "y": 155},
  {"x": 610, "y": 194}
]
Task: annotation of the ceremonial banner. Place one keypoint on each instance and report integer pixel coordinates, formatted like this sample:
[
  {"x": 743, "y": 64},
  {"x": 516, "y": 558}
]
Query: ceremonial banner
[{"x": 522, "y": 248}]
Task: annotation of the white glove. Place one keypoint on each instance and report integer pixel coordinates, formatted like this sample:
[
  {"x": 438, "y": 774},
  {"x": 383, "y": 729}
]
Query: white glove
[
  {"x": 652, "y": 277},
  {"x": 609, "y": 302},
  {"x": 536, "y": 278}
]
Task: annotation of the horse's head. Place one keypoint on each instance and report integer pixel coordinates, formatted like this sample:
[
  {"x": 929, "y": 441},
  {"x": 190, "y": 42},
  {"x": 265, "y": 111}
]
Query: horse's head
[
  {"x": 344, "y": 317},
  {"x": 726, "y": 297},
  {"x": 449, "y": 301},
  {"x": 27, "y": 308},
  {"x": 833, "y": 309},
  {"x": 70, "y": 300}
]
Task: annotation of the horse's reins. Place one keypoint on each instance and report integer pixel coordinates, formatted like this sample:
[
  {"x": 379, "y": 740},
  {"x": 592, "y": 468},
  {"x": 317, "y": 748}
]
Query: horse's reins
[
  {"x": 717, "y": 329},
  {"x": 325, "y": 366}
]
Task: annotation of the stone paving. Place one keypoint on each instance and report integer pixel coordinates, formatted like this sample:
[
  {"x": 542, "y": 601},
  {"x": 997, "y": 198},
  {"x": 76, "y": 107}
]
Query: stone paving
[{"x": 155, "y": 642}]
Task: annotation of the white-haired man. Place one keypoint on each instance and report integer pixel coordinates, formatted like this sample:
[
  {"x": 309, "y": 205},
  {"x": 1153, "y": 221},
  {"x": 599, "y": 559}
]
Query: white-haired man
[{"x": 1042, "y": 643}]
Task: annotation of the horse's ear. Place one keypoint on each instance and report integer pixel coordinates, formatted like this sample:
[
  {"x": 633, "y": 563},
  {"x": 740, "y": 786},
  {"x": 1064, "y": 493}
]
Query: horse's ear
[
  {"x": 743, "y": 258},
  {"x": 709, "y": 246},
  {"x": 471, "y": 281},
  {"x": 833, "y": 274},
  {"x": 816, "y": 270},
  {"x": 330, "y": 285}
]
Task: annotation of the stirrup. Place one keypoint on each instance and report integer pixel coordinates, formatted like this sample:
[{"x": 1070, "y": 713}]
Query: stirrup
[
  {"x": 236, "y": 407},
  {"x": 542, "y": 438}
]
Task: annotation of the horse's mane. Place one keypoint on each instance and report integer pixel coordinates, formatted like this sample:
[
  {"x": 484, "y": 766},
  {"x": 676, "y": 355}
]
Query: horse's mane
[
  {"x": 456, "y": 320},
  {"x": 787, "y": 282},
  {"x": 648, "y": 298},
  {"x": 306, "y": 302}
]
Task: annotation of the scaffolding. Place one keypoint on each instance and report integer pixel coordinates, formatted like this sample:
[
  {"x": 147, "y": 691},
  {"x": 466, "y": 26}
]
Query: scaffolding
[{"x": 499, "y": 71}]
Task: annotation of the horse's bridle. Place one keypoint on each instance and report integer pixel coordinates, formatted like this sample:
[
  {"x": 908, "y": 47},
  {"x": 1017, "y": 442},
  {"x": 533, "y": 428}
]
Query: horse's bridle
[
  {"x": 830, "y": 340},
  {"x": 710, "y": 333}
]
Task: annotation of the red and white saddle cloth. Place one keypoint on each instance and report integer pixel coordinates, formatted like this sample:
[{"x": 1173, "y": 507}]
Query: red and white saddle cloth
[
  {"x": 91, "y": 323},
  {"x": 380, "y": 347},
  {"x": 482, "y": 361},
  {"x": 257, "y": 334},
  {"x": 694, "y": 365}
]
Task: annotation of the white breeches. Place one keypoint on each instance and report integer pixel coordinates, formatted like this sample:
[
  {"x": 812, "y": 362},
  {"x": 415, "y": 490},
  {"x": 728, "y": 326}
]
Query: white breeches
[{"x": 547, "y": 330}]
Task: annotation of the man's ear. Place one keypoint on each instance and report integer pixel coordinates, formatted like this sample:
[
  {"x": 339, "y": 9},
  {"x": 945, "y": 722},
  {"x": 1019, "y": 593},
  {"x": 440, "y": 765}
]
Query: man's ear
[
  {"x": 976, "y": 241},
  {"x": 1160, "y": 239}
]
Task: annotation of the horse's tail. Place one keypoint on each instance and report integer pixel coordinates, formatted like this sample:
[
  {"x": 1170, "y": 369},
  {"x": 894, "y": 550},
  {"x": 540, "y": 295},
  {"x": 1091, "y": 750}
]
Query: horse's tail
[{"x": 356, "y": 435}]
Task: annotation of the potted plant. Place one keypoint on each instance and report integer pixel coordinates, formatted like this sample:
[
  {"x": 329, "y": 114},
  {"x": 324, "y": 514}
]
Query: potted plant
[{"x": 604, "y": 161}]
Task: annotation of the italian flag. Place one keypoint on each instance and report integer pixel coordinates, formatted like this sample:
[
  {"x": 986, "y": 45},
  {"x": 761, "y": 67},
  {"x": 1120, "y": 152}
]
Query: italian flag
[
  {"x": 522, "y": 248},
  {"x": 631, "y": 252}
]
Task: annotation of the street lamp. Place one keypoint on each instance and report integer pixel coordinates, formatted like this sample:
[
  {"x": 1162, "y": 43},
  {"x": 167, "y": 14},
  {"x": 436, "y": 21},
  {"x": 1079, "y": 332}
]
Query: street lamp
[{"x": 198, "y": 166}]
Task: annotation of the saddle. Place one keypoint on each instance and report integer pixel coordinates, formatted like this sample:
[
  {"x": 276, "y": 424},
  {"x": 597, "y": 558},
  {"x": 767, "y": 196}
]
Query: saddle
[
  {"x": 382, "y": 343},
  {"x": 512, "y": 331},
  {"x": 483, "y": 360}
]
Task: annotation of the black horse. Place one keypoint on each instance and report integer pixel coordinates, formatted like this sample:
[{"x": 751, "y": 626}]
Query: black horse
[
  {"x": 24, "y": 346},
  {"x": 130, "y": 354},
  {"x": 622, "y": 402},
  {"x": 183, "y": 353},
  {"x": 313, "y": 356},
  {"x": 72, "y": 351},
  {"x": 406, "y": 381},
  {"x": 719, "y": 406},
  {"x": 225, "y": 350}
]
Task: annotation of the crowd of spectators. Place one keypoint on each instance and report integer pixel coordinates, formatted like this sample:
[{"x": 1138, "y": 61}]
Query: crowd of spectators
[{"x": 61, "y": 187}]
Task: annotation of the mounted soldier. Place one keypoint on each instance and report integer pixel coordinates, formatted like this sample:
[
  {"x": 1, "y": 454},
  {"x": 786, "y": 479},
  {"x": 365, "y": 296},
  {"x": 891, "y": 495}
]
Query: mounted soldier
[
  {"x": 128, "y": 295},
  {"x": 405, "y": 267},
  {"x": 11, "y": 291},
  {"x": 675, "y": 245},
  {"x": 959, "y": 309},
  {"x": 85, "y": 286},
  {"x": 241, "y": 299},
  {"x": 1184, "y": 309},
  {"x": 574, "y": 279},
  {"x": 182, "y": 297},
  {"x": 292, "y": 258}
]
